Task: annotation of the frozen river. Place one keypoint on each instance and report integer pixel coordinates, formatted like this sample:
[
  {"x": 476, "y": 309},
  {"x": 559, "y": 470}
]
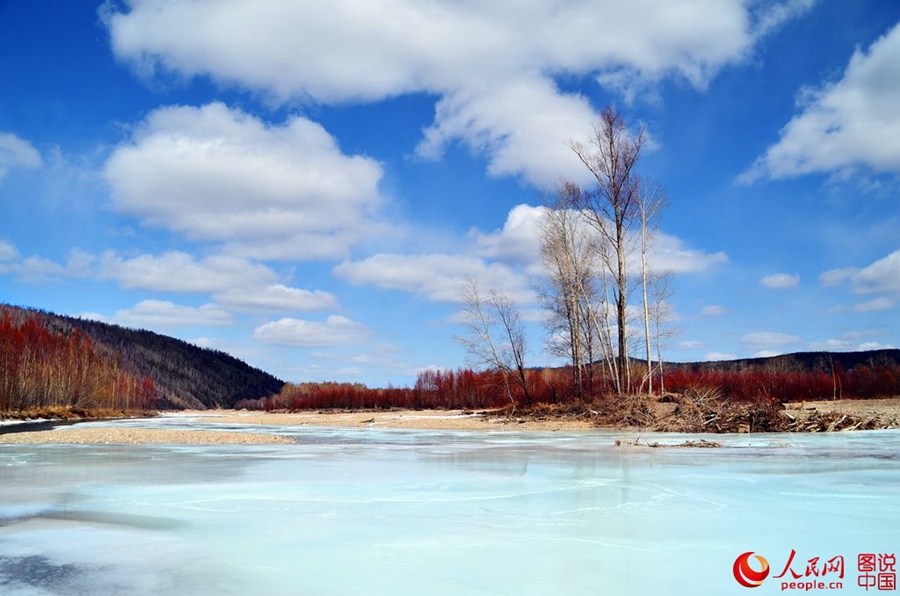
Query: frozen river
[{"x": 375, "y": 511}]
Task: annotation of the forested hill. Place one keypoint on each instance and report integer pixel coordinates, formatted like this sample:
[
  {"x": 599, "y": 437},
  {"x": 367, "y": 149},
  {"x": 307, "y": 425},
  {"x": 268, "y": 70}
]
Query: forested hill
[
  {"x": 184, "y": 375},
  {"x": 800, "y": 362}
]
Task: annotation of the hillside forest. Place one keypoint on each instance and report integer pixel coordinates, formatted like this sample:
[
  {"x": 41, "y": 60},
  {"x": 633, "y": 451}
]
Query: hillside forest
[{"x": 52, "y": 360}]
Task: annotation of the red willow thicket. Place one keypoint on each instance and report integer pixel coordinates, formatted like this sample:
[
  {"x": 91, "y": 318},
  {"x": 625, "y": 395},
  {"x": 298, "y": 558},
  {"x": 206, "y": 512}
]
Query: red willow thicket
[
  {"x": 862, "y": 382},
  {"x": 468, "y": 389},
  {"x": 434, "y": 389},
  {"x": 41, "y": 367}
]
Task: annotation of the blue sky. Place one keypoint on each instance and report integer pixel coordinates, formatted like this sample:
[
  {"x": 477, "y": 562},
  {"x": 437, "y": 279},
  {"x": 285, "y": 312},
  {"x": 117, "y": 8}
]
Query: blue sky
[{"x": 306, "y": 185}]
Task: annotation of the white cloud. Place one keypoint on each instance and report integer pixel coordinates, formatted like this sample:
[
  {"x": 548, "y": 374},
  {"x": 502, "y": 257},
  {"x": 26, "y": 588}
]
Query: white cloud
[
  {"x": 437, "y": 277},
  {"x": 369, "y": 50},
  {"x": 712, "y": 310},
  {"x": 336, "y": 330},
  {"x": 691, "y": 344},
  {"x": 501, "y": 260},
  {"x": 769, "y": 340},
  {"x": 218, "y": 174},
  {"x": 8, "y": 251},
  {"x": 780, "y": 281},
  {"x": 835, "y": 277},
  {"x": 850, "y": 342},
  {"x": 670, "y": 253},
  {"x": 16, "y": 152},
  {"x": 276, "y": 297},
  {"x": 162, "y": 314},
  {"x": 522, "y": 125},
  {"x": 874, "y": 345},
  {"x": 182, "y": 272},
  {"x": 878, "y": 304},
  {"x": 35, "y": 269},
  {"x": 846, "y": 125},
  {"x": 719, "y": 356},
  {"x": 519, "y": 240},
  {"x": 881, "y": 276}
]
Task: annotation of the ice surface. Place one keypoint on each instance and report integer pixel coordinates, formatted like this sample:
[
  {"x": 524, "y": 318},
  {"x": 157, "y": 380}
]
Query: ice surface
[{"x": 377, "y": 511}]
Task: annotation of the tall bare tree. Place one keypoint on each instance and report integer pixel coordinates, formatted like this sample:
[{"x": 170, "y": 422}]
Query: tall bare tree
[
  {"x": 495, "y": 337},
  {"x": 613, "y": 207},
  {"x": 651, "y": 200},
  {"x": 566, "y": 254},
  {"x": 660, "y": 315}
]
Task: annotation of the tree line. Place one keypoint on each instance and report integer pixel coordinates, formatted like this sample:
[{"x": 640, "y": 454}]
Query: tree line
[{"x": 872, "y": 375}]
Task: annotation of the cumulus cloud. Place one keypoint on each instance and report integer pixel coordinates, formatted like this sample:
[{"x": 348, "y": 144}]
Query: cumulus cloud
[
  {"x": 437, "y": 277},
  {"x": 497, "y": 90},
  {"x": 276, "y": 297},
  {"x": 16, "y": 153},
  {"x": 335, "y": 330},
  {"x": 502, "y": 260},
  {"x": 522, "y": 126},
  {"x": 846, "y": 125},
  {"x": 881, "y": 276},
  {"x": 670, "y": 253},
  {"x": 875, "y": 305},
  {"x": 218, "y": 174},
  {"x": 37, "y": 269},
  {"x": 182, "y": 272},
  {"x": 519, "y": 240},
  {"x": 780, "y": 281},
  {"x": 162, "y": 314}
]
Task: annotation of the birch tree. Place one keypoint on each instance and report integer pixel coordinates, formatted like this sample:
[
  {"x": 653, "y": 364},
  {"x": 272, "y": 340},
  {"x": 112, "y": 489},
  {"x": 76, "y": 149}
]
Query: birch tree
[
  {"x": 566, "y": 254},
  {"x": 495, "y": 338},
  {"x": 651, "y": 200},
  {"x": 612, "y": 206}
]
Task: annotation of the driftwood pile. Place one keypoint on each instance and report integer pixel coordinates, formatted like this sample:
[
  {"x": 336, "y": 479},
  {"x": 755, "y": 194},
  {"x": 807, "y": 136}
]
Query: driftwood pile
[
  {"x": 814, "y": 421},
  {"x": 705, "y": 411}
]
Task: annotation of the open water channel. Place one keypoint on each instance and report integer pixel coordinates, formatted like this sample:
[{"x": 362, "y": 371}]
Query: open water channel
[{"x": 377, "y": 511}]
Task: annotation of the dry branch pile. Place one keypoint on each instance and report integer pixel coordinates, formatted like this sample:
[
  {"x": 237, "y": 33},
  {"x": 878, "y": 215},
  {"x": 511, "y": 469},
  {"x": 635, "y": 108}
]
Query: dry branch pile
[{"x": 705, "y": 411}]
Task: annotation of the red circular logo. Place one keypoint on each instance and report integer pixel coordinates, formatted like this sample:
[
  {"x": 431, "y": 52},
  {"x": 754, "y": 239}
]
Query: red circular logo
[{"x": 746, "y": 575}]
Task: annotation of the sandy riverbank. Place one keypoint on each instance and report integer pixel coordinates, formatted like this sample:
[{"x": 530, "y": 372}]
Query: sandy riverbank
[
  {"x": 886, "y": 409},
  {"x": 414, "y": 419}
]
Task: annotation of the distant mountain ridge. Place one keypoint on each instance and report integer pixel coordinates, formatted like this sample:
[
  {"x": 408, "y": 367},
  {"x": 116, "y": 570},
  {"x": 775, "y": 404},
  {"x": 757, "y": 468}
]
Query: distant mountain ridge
[
  {"x": 799, "y": 361},
  {"x": 185, "y": 375}
]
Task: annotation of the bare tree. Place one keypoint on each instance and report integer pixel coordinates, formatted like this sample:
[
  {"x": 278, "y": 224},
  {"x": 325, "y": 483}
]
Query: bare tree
[
  {"x": 567, "y": 253},
  {"x": 495, "y": 337},
  {"x": 612, "y": 207},
  {"x": 651, "y": 200},
  {"x": 660, "y": 315}
]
